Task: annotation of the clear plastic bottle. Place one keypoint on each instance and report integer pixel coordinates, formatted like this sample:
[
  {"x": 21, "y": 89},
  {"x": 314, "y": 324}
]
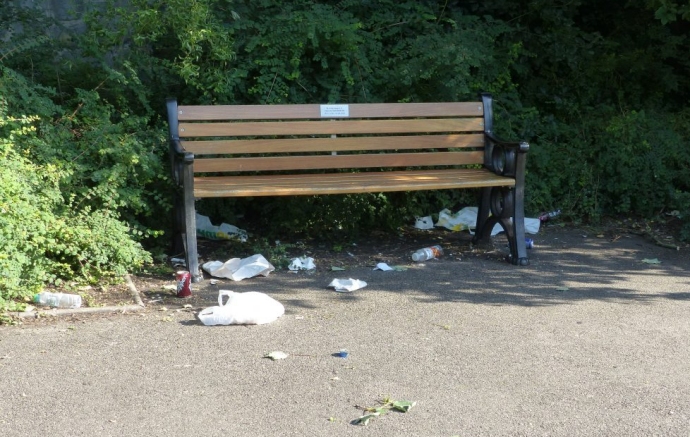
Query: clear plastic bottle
[
  {"x": 58, "y": 300},
  {"x": 546, "y": 216},
  {"x": 427, "y": 253}
]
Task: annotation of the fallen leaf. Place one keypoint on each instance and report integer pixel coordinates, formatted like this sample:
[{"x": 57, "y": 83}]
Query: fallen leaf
[
  {"x": 276, "y": 355},
  {"x": 403, "y": 406},
  {"x": 364, "y": 420}
]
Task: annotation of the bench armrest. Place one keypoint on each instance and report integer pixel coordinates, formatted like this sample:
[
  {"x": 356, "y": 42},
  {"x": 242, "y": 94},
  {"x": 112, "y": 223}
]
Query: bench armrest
[
  {"x": 178, "y": 156},
  {"x": 178, "y": 159},
  {"x": 505, "y": 158}
]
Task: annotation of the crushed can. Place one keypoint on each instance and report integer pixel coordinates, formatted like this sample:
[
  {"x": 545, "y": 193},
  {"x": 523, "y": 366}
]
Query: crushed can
[{"x": 184, "y": 283}]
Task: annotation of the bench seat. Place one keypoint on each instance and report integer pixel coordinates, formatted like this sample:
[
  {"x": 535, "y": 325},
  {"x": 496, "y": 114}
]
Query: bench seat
[{"x": 346, "y": 183}]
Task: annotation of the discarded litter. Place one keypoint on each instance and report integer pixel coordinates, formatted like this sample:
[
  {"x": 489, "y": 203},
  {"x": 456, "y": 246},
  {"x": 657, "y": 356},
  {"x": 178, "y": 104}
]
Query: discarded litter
[
  {"x": 178, "y": 262},
  {"x": 204, "y": 228},
  {"x": 337, "y": 269},
  {"x": 346, "y": 285},
  {"x": 424, "y": 222},
  {"x": 529, "y": 243},
  {"x": 276, "y": 355},
  {"x": 302, "y": 263},
  {"x": 384, "y": 267},
  {"x": 466, "y": 220},
  {"x": 651, "y": 261},
  {"x": 249, "y": 308},
  {"x": 546, "y": 216},
  {"x": 343, "y": 353},
  {"x": 184, "y": 283},
  {"x": 58, "y": 300},
  {"x": 427, "y": 253},
  {"x": 238, "y": 269}
]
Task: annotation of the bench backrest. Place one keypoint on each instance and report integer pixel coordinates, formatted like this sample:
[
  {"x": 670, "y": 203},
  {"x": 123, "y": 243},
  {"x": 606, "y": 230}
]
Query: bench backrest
[{"x": 254, "y": 138}]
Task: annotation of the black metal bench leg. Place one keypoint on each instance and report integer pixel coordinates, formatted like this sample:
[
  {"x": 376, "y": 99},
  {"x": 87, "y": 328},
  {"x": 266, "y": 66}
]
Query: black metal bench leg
[
  {"x": 518, "y": 249},
  {"x": 506, "y": 207},
  {"x": 483, "y": 215},
  {"x": 512, "y": 218},
  {"x": 177, "y": 241},
  {"x": 191, "y": 255}
]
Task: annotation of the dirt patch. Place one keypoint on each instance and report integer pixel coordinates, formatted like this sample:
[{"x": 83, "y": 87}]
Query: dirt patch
[{"x": 156, "y": 287}]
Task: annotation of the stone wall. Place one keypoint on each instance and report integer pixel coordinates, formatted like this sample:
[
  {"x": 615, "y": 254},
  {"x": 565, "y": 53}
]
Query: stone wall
[{"x": 68, "y": 13}]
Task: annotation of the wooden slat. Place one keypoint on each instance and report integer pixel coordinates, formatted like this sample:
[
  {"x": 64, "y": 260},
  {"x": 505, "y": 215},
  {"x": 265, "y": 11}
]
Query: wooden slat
[
  {"x": 343, "y": 183},
  {"x": 364, "y": 160},
  {"x": 333, "y": 144},
  {"x": 330, "y": 127},
  {"x": 369, "y": 110}
]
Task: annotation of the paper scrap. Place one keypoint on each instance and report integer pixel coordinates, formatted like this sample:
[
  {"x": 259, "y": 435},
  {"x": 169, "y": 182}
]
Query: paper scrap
[
  {"x": 384, "y": 267},
  {"x": 302, "y": 263},
  {"x": 347, "y": 285}
]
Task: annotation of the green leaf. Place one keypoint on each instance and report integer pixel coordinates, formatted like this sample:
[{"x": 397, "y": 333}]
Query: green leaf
[
  {"x": 403, "y": 406},
  {"x": 364, "y": 420}
]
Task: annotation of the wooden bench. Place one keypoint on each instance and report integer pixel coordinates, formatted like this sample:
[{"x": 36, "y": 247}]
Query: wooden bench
[{"x": 306, "y": 150}]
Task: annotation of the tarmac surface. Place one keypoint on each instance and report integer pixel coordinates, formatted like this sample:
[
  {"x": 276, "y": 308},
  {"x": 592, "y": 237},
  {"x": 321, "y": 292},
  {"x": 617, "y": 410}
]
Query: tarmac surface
[{"x": 591, "y": 339}]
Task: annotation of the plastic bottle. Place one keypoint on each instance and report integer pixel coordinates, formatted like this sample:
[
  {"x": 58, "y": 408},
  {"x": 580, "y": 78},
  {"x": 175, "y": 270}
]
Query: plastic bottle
[
  {"x": 58, "y": 300},
  {"x": 549, "y": 215},
  {"x": 427, "y": 253}
]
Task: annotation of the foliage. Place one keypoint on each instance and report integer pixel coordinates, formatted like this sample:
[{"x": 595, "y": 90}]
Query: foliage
[{"x": 65, "y": 175}]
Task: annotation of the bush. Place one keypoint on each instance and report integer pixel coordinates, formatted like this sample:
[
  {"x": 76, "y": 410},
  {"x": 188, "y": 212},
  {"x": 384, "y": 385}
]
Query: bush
[{"x": 65, "y": 177}]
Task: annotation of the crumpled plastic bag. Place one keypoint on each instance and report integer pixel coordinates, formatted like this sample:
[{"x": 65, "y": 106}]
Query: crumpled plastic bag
[
  {"x": 249, "y": 308},
  {"x": 302, "y": 263},
  {"x": 206, "y": 229},
  {"x": 347, "y": 285},
  {"x": 424, "y": 222},
  {"x": 466, "y": 219},
  {"x": 238, "y": 269}
]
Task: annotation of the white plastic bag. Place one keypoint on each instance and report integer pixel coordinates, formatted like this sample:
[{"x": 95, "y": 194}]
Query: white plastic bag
[
  {"x": 424, "y": 222},
  {"x": 249, "y": 308},
  {"x": 238, "y": 269},
  {"x": 466, "y": 219},
  {"x": 204, "y": 228}
]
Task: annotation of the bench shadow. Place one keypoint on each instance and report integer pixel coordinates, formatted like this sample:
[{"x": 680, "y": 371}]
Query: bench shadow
[{"x": 559, "y": 273}]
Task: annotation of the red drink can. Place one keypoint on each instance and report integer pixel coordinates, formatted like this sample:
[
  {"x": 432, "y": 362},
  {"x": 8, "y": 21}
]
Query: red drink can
[{"x": 184, "y": 280}]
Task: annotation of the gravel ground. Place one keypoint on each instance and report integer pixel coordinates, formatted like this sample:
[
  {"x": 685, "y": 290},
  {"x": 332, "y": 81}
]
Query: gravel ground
[{"x": 591, "y": 339}]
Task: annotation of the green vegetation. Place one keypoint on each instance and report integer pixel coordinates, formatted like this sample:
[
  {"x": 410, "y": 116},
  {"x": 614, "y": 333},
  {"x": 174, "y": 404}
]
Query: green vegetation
[{"x": 598, "y": 88}]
